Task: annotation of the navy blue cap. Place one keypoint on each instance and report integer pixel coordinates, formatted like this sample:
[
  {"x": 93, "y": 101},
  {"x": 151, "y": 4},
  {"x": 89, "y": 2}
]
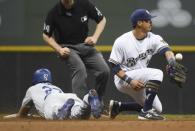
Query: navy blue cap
[{"x": 140, "y": 14}]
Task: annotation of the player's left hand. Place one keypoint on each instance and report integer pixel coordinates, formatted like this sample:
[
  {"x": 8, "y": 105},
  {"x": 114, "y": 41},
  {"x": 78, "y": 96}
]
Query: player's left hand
[
  {"x": 177, "y": 73},
  {"x": 91, "y": 40},
  {"x": 137, "y": 85},
  {"x": 64, "y": 52}
]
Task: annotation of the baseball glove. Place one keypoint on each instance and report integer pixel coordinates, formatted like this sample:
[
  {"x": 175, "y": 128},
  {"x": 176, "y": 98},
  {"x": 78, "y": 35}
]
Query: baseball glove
[{"x": 177, "y": 73}]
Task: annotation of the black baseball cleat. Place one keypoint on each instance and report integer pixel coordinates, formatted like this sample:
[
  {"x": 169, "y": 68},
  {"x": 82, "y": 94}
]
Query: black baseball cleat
[
  {"x": 65, "y": 111},
  {"x": 113, "y": 109},
  {"x": 96, "y": 108},
  {"x": 150, "y": 115},
  {"x": 105, "y": 110}
]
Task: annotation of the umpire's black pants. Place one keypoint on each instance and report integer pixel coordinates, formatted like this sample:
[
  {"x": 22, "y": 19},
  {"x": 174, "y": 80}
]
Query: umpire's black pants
[{"x": 83, "y": 57}]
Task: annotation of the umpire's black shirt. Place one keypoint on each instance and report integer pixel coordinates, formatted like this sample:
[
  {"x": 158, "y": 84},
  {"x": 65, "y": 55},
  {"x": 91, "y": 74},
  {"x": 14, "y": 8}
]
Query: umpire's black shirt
[{"x": 71, "y": 26}]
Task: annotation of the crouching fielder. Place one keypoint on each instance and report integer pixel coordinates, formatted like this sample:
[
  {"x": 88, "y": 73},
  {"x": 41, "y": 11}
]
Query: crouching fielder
[
  {"x": 53, "y": 104},
  {"x": 129, "y": 58}
]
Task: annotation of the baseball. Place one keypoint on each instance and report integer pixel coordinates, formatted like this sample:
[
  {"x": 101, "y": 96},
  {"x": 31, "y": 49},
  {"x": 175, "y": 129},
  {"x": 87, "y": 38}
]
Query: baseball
[{"x": 178, "y": 56}]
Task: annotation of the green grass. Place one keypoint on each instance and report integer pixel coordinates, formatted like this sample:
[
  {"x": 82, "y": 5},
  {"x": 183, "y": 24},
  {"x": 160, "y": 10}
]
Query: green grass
[{"x": 181, "y": 117}]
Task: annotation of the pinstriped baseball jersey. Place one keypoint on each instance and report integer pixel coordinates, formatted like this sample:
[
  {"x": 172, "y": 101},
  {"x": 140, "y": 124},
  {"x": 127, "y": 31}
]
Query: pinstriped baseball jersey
[{"x": 132, "y": 54}]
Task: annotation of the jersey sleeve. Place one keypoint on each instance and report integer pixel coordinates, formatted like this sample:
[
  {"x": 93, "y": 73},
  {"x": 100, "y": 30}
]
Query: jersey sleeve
[
  {"x": 48, "y": 26},
  {"x": 116, "y": 54},
  {"x": 27, "y": 99},
  {"x": 93, "y": 12},
  {"x": 160, "y": 45}
]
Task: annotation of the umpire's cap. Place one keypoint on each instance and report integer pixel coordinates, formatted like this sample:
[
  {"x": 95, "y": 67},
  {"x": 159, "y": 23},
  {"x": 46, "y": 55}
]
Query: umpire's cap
[
  {"x": 41, "y": 75},
  {"x": 140, "y": 14}
]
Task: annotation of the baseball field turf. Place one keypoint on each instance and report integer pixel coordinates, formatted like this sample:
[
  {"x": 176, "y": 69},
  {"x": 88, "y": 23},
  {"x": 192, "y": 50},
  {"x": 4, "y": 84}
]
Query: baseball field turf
[{"x": 121, "y": 123}]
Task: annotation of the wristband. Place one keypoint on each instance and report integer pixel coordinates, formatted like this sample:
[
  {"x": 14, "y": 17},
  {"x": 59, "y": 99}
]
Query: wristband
[
  {"x": 171, "y": 61},
  {"x": 127, "y": 79}
]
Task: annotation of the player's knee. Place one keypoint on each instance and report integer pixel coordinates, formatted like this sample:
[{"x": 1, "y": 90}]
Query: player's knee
[
  {"x": 158, "y": 75},
  {"x": 105, "y": 72},
  {"x": 80, "y": 72}
]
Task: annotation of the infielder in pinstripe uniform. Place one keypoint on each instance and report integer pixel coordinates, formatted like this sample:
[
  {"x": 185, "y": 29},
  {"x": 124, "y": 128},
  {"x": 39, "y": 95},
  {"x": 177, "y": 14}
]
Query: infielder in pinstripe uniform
[{"x": 129, "y": 58}]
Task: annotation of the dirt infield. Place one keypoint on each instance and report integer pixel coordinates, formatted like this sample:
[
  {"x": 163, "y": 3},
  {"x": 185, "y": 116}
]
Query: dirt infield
[{"x": 103, "y": 124}]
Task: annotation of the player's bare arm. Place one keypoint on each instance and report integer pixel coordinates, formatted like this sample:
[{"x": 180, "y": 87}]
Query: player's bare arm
[
  {"x": 92, "y": 40},
  {"x": 169, "y": 55},
  {"x": 63, "y": 52},
  {"x": 21, "y": 114},
  {"x": 135, "y": 84},
  {"x": 23, "y": 111}
]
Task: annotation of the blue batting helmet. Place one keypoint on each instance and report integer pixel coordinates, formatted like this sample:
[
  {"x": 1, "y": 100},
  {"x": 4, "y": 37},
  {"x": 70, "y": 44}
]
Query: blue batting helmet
[
  {"x": 140, "y": 14},
  {"x": 41, "y": 75}
]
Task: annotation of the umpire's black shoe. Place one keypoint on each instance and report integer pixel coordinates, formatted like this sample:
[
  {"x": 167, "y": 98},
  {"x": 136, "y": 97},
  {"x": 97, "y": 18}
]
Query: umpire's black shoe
[
  {"x": 65, "y": 111},
  {"x": 105, "y": 110},
  {"x": 113, "y": 109},
  {"x": 149, "y": 115},
  {"x": 96, "y": 108}
]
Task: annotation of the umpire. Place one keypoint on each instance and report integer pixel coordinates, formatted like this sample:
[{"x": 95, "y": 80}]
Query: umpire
[{"x": 66, "y": 31}]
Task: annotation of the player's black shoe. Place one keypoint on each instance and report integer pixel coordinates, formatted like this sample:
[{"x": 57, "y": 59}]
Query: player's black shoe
[
  {"x": 95, "y": 104},
  {"x": 150, "y": 115},
  {"x": 113, "y": 109},
  {"x": 105, "y": 110},
  {"x": 65, "y": 111}
]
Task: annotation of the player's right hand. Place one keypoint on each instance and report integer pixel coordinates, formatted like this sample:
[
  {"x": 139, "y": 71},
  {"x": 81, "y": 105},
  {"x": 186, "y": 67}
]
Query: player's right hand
[
  {"x": 137, "y": 85},
  {"x": 11, "y": 116},
  {"x": 64, "y": 52},
  {"x": 91, "y": 40}
]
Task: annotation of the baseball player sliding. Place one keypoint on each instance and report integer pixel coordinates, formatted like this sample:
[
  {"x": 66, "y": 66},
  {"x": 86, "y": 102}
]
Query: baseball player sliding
[
  {"x": 52, "y": 103},
  {"x": 129, "y": 58}
]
